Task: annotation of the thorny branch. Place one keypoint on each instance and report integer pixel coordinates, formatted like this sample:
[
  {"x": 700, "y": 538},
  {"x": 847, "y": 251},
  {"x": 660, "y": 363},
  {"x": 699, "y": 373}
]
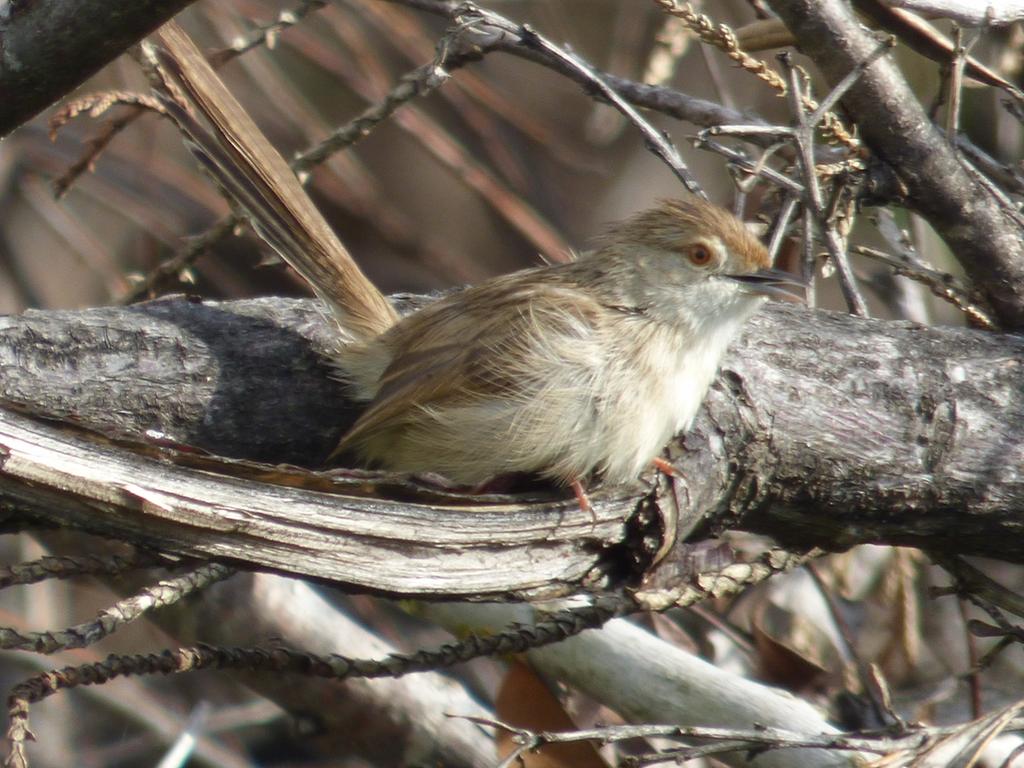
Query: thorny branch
[
  {"x": 277, "y": 660},
  {"x": 266, "y": 34},
  {"x": 894, "y": 126},
  {"x": 522, "y": 41},
  {"x": 802, "y": 136}
]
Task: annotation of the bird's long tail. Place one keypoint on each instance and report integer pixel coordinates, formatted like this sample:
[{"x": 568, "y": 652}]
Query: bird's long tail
[{"x": 235, "y": 152}]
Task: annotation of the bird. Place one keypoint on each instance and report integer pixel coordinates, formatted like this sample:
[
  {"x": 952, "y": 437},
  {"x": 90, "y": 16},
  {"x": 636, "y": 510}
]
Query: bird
[{"x": 569, "y": 372}]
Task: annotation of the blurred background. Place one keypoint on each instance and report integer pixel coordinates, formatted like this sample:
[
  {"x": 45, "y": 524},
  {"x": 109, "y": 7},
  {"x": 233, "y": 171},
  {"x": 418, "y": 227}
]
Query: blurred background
[{"x": 507, "y": 164}]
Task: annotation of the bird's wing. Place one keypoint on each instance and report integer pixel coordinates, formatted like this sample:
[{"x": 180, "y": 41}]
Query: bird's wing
[{"x": 463, "y": 348}]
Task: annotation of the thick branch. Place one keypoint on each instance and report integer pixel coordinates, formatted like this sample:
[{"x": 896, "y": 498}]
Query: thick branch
[
  {"x": 822, "y": 429},
  {"x": 987, "y": 242},
  {"x": 324, "y": 529},
  {"x": 49, "y": 47}
]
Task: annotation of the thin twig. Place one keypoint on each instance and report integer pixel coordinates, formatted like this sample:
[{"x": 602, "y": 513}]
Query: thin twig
[
  {"x": 819, "y": 113},
  {"x": 81, "y": 565},
  {"x": 741, "y": 160},
  {"x": 804, "y": 138},
  {"x": 942, "y": 284},
  {"x": 908, "y": 263},
  {"x": 122, "y": 612},
  {"x": 883, "y": 715},
  {"x": 109, "y": 131},
  {"x": 808, "y": 260},
  {"x": 730, "y": 739},
  {"x": 418, "y": 83},
  {"x": 722, "y": 37},
  {"x": 782, "y": 223},
  {"x": 194, "y": 248},
  {"x": 970, "y": 580},
  {"x": 517, "y": 639},
  {"x": 655, "y": 140},
  {"x": 265, "y": 34},
  {"x": 961, "y": 52},
  {"x": 973, "y": 669}
]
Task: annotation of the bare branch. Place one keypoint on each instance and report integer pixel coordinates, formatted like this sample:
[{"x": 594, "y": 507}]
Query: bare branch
[
  {"x": 70, "y": 567},
  {"x": 279, "y": 659},
  {"x": 970, "y": 13},
  {"x": 113, "y": 618},
  {"x": 986, "y": 240}
]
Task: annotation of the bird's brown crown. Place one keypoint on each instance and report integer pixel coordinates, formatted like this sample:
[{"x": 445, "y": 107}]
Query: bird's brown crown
[{"x": 673, "y": 224}]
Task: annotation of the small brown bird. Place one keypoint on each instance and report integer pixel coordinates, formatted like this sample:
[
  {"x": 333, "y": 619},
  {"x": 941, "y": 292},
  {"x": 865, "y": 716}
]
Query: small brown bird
[{"x": 566, "y": 371}]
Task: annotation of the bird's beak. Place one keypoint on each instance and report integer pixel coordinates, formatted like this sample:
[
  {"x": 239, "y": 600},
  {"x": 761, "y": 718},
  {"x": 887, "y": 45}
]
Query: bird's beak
[{"x": 773, "y": 283}]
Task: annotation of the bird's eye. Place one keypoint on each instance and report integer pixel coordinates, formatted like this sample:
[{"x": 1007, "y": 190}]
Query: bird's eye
[{"x": 699, "y": 255}]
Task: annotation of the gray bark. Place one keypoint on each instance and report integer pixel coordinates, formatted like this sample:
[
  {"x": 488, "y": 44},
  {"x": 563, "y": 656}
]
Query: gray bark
[{"x": 822, "y": 429}]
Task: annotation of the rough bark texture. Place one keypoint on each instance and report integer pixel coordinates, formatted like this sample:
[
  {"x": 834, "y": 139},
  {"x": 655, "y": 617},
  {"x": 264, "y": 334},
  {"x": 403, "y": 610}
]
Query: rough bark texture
[
  {"x": 836, "y": 431},
  {"x": 46, "y": 51},
  {"x": 822, "y": 429},
  {"x": 894, "y": 125}
]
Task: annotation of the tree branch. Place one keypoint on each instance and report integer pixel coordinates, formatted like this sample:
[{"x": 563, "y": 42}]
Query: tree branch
[
  {"x": 822, "y": 429},
  {"x": 985, "y": 239},
  {"x": 46, "y": 51}
]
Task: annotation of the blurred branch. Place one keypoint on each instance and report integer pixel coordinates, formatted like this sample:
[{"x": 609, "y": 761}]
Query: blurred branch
[
  {"x": 109, "y": 620},
  {"x": 657, "y": 142},
  {"x": 47, "y": 50},
  {"x": 280, "y": 660},
  {"x": 970, "y": 580},
  {"x": 70, "y": 567},
  {"x": 387, "y": 721},
  {"x": 911, "y": 746},
  {"x": 970, "y": 13},
  {"x": 646, "y": 678},
  {"x": 430, "y": 134},
  {"x": 265, "y": 34}
]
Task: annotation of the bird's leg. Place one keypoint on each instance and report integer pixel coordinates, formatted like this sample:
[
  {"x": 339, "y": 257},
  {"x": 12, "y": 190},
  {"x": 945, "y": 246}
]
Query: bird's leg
[
  {"x": 665, "y": 467},
  {"x": 670, "y": 517},
  {"x": 581, "y": 497}
]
